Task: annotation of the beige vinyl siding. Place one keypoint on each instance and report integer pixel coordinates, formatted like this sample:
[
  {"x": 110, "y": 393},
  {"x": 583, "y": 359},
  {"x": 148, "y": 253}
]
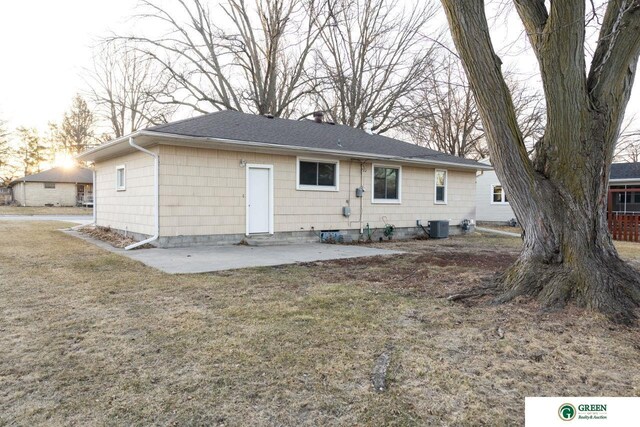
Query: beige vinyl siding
[
  {"x": 132, "y": 209},
  {"x": 64, "y": 194},
  {"x": 202, "y": 192},
  {"x": 485, "y": 209}
]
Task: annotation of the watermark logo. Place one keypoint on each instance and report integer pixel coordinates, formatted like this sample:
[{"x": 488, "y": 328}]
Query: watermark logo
[{"x": 567, "y": 412}]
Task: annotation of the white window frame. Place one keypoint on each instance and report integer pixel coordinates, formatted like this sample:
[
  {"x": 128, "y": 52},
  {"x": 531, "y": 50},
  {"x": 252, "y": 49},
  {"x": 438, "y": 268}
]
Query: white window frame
[
  {"x": 50, "y": 185},
  {"x": 301, "y": 187},
  {"x": 504, "y": 195},
  {"x": 122, "y": 187},
  {"x": 435, "y": 187},
  {"x": 397, "y": 201}
]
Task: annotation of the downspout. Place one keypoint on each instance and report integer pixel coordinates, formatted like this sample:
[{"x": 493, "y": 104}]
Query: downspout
[
  {"x": 93, "y": 196},
  {"x": 156, "y": 182},
  {"x": 24, "y": 193},
  {"x": 362, "y": 197}
]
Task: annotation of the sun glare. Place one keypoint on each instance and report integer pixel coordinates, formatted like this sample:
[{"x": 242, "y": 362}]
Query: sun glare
[{"x": 64, "y": 160}]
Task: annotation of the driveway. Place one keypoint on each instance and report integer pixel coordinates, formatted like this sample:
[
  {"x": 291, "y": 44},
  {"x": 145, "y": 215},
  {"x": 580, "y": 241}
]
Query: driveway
[
  {"x": 76, "y": 219},
  {"x": 204, "y": 259}
]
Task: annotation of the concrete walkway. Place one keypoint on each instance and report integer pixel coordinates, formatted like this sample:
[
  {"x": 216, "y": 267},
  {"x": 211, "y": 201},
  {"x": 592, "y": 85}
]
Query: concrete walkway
[
  {"x": 491, "y": 230},
  {"x": 203, "y": 259},
  {"x": 76, "y": 219}
]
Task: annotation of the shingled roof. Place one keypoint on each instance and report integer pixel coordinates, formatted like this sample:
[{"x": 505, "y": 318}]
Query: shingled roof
[
  {"x": 625, "y": 171},
  {"x": 60, "y": 174},
  {"x": 236, "y": 126}
]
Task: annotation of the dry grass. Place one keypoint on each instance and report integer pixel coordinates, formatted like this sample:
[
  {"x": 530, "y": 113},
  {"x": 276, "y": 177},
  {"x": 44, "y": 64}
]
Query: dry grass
[
  {"x": 89, "y": 337},
  {"x": 44, "y": 210}
]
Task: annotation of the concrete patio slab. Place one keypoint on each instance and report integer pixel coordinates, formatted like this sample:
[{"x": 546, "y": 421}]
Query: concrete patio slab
[
  {"x": 204, "y": 259},
  {"x": 76, "y": 219}
]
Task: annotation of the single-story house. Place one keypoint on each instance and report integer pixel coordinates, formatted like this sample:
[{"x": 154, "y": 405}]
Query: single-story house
[
  {"x": 492, "y": 203},
  {"x": 229, "y": 176},
  {"x": 59, "y": 186}
]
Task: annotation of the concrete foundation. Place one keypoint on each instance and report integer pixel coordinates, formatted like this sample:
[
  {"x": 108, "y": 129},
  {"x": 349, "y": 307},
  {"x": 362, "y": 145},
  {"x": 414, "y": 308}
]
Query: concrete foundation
[{"x": 279, "y": 238}]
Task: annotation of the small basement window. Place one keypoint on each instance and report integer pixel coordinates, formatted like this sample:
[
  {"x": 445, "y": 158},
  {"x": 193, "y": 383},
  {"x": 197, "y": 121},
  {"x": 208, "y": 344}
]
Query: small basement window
[
  {"x": 319, "y": 175},
  {"x": 498, "y": 195},
  {"x": 441, "y": 186},
  {"x": 49, "y": 185},
  {"x": 386, "y": 184},
  {"x": 120, "y": 178}
]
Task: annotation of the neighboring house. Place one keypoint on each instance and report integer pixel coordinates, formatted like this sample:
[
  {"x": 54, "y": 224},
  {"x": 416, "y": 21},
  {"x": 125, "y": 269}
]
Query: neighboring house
[
  {"x": 492, "y": 203},
  {"x": 55, "y": 187},
  {"x": 224, "y": 176},
  {"x": 624, "y": 188},
  {"x": 624, "y": 194}
]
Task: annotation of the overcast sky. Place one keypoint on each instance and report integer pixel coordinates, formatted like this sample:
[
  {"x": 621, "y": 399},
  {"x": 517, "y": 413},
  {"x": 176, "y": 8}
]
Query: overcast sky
[{"x": 45, "y": 44}]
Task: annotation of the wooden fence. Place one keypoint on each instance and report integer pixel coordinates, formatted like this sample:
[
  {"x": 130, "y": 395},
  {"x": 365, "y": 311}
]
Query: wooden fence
[{"x": 624, "y": 227}]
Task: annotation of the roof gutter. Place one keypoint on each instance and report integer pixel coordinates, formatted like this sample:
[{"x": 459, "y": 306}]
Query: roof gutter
[
  {"x": 156, "y": 196},
  {"x": 316, "y": 150},
  {"x": 107, "y": 145},
  {"x": 236, "y": 142},
  {"x": 613, "y": 181}
]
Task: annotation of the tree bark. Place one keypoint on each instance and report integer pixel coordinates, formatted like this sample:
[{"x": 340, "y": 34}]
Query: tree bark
[{"x": 560, "y": 197}]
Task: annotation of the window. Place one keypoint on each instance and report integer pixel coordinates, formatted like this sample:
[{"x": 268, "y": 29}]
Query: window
[
  {"x": 49, "y": 185},
  {"x": 441, "y": 186},
  {"x": 386, "y": 184},
  {"x": 498, "y": 194},
  {"x": 319, "y": 175},
  {"x": 120, "y": 178}
]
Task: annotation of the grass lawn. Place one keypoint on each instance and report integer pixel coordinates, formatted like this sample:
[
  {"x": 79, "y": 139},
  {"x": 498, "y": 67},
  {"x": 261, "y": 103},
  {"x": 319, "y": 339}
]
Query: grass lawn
[
  {"x": 90, "y": 337},
  {"x": 44, "y": 210}
]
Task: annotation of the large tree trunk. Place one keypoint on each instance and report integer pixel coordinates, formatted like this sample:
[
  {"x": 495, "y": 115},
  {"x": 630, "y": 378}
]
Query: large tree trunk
[
  {"x": 560, "y": 196},
  {"x": 567, "y": 251}
]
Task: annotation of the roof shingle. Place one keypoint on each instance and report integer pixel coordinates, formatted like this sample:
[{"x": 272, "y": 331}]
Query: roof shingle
[
  {"x": 60, "y": 174},
  {"x": 625, "y": 171},
  {"x": 236, "y": 126}
]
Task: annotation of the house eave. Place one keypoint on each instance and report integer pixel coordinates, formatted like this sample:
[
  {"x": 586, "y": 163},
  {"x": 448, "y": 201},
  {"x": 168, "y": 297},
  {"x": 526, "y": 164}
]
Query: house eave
[{"x": 111, "y": 149}]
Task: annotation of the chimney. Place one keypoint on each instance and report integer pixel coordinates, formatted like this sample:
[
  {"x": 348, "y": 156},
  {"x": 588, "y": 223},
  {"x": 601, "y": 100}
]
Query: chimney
[
  {"x": 317, "y": 116},
  {"x": 368, "y": 125}
]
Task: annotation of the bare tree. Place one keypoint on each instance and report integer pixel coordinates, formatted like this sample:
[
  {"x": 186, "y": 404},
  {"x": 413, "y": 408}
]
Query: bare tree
[
  {"x": 6, "y": 151},
  {"x": 447, "y": 119},
  {"x": 256, "y": 65},
  {"x": 446, "y": 116},
  {"x": 372, "y": 57},
  {"x": 76, "y": 133},
  {"x": 560, "y": 196},
  {"x": 8, "y": 168},
  {"x": 628, "y": 146},
  {"x": 125, "y": 87},
  {"x": 32, "y": 152}
]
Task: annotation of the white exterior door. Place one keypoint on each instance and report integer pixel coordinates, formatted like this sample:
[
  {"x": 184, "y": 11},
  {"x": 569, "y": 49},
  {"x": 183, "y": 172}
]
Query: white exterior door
[{"x": 259, "y": 199}]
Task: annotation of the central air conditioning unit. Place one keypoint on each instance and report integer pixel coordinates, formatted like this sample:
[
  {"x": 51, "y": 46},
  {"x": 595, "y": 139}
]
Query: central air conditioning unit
[{"x": 438, "y": 229}]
